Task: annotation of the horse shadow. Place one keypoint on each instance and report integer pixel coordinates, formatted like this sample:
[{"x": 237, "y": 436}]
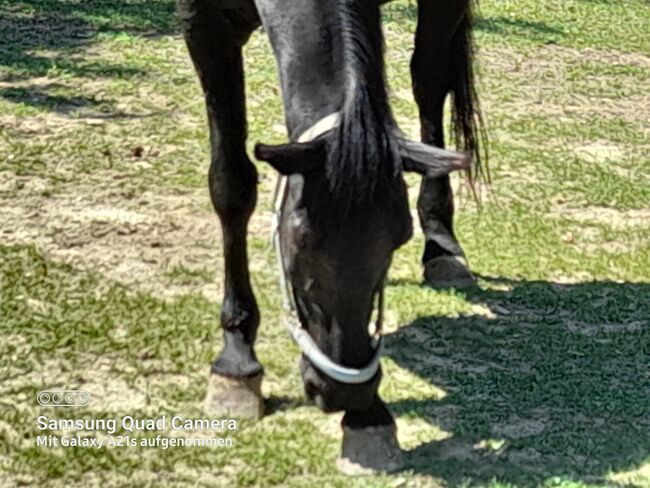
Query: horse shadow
[
  {"x": 553, "y": 382},
  {"x": 502, "y": 26},
  {"x": 38, "y": 36}
]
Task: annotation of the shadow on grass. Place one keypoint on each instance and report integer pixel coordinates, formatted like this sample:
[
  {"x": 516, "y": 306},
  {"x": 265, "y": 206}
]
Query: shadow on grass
[
  {"x": 555, "y": 384},
  {"x": 275, "y": 404},
  {"x": 538, "y": 32},
  {"x": 59, "y": 26},
  {"x": 46, "y": 97},
  {"x": 43, "y": 97}
]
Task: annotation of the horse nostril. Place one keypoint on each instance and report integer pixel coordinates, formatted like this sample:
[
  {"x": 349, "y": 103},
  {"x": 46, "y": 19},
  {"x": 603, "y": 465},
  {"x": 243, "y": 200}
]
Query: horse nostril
[{"x": 310, "y": 389}]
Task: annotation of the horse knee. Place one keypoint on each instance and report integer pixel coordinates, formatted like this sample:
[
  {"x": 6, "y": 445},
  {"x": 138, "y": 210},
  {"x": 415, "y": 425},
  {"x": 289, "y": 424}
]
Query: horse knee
[
  {"x": 233, "y": 189},
  {"x": 430, "y": 75}
]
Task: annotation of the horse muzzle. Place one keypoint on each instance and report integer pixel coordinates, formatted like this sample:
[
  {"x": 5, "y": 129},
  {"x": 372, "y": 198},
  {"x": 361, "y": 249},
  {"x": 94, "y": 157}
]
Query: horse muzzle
[{"x": 332, "y": 396}]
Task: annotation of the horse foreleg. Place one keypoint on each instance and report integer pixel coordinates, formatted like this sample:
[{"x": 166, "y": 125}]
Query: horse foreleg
[
  {"x": 215, "y": 38},
  {"x": 433, "y": 78}
]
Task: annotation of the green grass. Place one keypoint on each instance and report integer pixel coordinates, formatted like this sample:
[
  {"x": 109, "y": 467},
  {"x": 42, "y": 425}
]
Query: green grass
[{"x": 536, "y": 378}]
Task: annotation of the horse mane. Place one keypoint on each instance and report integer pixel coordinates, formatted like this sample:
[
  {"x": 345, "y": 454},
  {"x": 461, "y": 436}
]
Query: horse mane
[{"x": 364, "y": 149}]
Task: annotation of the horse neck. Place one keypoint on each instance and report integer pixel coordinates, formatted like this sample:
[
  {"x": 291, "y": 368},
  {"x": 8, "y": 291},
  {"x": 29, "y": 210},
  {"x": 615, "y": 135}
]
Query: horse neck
[{"x": 306, "y": 41}]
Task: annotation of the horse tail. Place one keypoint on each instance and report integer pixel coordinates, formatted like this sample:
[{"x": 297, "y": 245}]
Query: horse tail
[
  {"x": 469, "y": 132},
  {"x": 365, "y": 149}
]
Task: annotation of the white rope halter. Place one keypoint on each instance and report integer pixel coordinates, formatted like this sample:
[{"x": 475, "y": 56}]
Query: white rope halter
[{"x": 302, "y": 338}]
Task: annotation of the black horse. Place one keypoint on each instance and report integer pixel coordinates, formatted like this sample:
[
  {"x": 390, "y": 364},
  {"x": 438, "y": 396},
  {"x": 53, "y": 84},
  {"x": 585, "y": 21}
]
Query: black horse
[{"x": 344, "y": 209}]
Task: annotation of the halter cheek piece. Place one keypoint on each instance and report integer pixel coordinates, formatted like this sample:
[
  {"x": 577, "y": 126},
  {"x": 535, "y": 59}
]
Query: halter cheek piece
[{"x": 302, "y": 338}]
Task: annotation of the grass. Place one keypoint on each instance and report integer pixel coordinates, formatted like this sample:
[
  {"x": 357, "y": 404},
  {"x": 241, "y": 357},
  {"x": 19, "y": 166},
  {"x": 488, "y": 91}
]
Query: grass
[{"x": 109, "y": 253}]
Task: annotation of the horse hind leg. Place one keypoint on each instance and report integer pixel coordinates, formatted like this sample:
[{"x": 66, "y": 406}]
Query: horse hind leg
[
  {"x": 433, "y": 78},
  {"x": 215, "y": 39}
]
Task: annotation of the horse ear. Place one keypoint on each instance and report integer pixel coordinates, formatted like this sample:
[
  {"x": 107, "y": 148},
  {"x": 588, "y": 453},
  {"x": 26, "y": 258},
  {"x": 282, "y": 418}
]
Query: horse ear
[
  {"x": 294, "y": 157},
  {"x": 431, "y": 161}
]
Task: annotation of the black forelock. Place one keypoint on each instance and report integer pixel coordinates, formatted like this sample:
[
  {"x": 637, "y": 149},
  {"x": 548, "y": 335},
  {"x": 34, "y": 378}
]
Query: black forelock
[{"x": 363, "y": 150}]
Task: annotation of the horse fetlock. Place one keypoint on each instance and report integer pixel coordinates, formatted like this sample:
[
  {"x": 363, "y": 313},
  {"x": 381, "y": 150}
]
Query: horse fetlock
[
  {"x": 237, "y": 358},
  {"x": 237, "y": 313}
]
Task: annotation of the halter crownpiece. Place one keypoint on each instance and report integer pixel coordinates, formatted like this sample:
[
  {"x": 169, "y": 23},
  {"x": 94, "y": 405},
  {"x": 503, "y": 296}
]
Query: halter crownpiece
[{"x": 292, "y": 323}]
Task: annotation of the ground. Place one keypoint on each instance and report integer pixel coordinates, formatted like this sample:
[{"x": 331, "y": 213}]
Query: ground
[{"x": 110, "y": 271}]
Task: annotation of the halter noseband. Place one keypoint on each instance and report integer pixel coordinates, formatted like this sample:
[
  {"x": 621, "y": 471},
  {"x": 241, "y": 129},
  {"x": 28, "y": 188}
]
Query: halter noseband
[{"x": 302, "y": 338}]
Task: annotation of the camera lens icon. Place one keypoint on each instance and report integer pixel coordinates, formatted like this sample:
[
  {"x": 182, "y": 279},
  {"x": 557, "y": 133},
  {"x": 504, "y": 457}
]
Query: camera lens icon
[
  {"x": 63, "y": 398},
  {"x": 43, "y": 398}
]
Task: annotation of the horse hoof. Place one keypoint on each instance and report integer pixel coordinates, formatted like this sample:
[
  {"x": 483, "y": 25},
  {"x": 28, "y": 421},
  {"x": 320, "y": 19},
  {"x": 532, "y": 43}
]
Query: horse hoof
[
  {"x": 370, "y": 450},
  {"x": 448, "y": 272},
  {"x": 235, "y": 397}
]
